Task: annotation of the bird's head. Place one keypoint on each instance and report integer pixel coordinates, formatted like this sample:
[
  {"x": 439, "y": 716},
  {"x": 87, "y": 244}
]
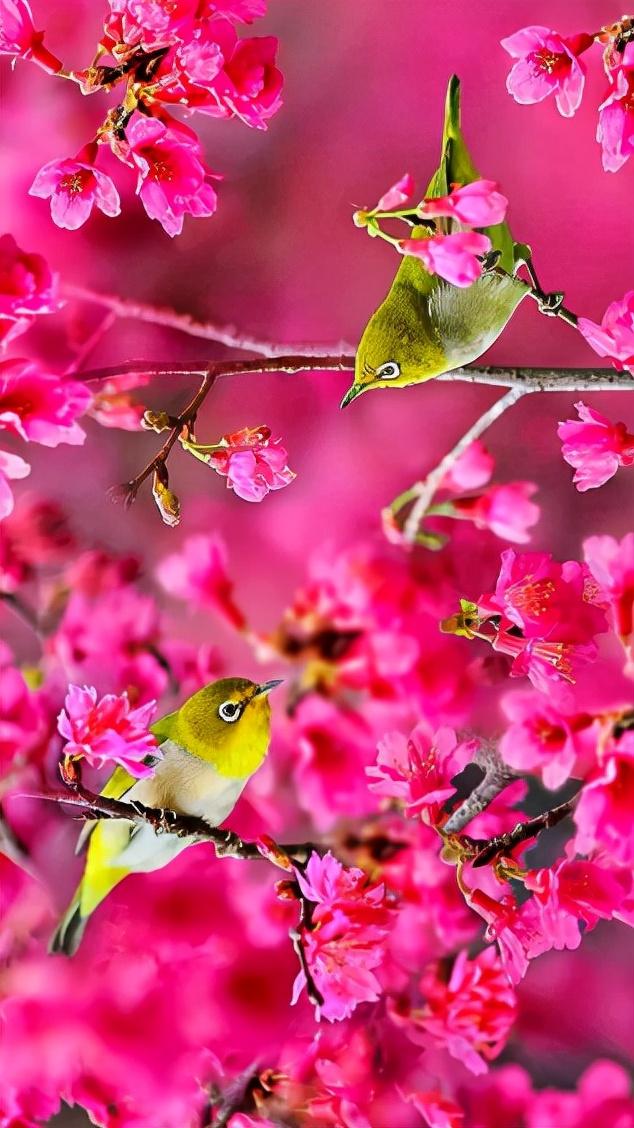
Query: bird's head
[
  {"x": 228, "y": 723},
  {"x": 399, "y": 346}
]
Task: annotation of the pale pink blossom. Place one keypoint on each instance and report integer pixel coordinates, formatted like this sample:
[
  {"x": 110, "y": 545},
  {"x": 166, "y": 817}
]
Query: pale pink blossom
[
  {"x": 172, "y": 180},
  {"x": 546, "y": 64},
  {"x": 397, "y": 195},
  {"x": 612, "y": 565},
  {"x": 452, "y": 257},
  {"x": 479, "y": 204},
  {"x": 545, "y": 738},
  {"x": 418, "y": 770},
  {"x": 595, "y": 447},
  {"x": 471, "y": 470},
  {"x": 604, "y": 814},
  {"x": 614, "y": 337},
  {"x": 615, "y": 131},
  {"x": 198, "y": 574},
  {"x": 252, "y": 462},
  {"x": 470, "y": 1014},
  {"x": 19, "y": 38},
  {"x": 12, "y": 468},
  {"x": 75, "y": 186},
  {"x": 506, "y": 510},
  {"x": 108, "y": 731},
  {"x": 249, "y": 85},
  {"x": 40, "y": 407},
  {"x": 345, "y": 940}
]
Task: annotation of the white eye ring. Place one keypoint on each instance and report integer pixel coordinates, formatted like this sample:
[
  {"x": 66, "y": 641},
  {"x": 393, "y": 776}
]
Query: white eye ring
[
  {"x": 388, "y": 371},
  {"x": 229, "y": 711}
]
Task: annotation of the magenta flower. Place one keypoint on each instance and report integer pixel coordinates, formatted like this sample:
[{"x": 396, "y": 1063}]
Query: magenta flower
[
  {"x": 397, "y": 195},
  {"x": 470, "y": 1015},
  {"x": 172, "y": 176},
  {"x": 506, "y": 510},
  {"x": 614, "y": 337},
  {"x": 12, "y": 467},
  {"x": 418, "y": 770},
  {"x": 546, "y": 64},
  {"x": 545, "y": 738},
  {"x": 579, "y": 889},
  {"x": 198, "y": 574},
  {"x": 75, "y": 186},
  {"x": 471, "y": 470},
  {"x": 615, "y": 131},
  {"x": 152, "y": 24},
  {"x": 252, "y": 462},
  {"x": 19, "y": 38},
  {"x": 612, "y": 565},
  {"x": 27, "y": 284},
  {"x": 345, "y": 940},
  {"x": 203, "y": 55},
  {"x": 605, "y": 812},
  {"x": 453, "y": 257},
  {"x": 108, "y": 731},
  {"x": 40, "y": 407},
  {"x": 479, "y": 204},
  {"x": 249, "y": 85},
  {"x": 595, "y": 447}
]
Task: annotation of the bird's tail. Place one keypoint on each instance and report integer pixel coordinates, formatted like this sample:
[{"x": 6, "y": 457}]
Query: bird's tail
[{"x": 69, "y": 932}]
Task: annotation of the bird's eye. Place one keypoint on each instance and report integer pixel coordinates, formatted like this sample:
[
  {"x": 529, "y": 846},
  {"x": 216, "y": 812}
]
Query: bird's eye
[
  {"x": 229, "y": 711},
  {"x": 388, "y": 371}
]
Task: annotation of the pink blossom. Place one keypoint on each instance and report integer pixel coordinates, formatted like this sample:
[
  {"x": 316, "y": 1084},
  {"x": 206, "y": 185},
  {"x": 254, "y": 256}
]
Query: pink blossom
[
  {"x": 506, "y": 510},
  {"x": 344, "y": 942},
  {"x": 12, "y": 467},
  {"x": 152, "y": 24},
  {"x": 612, "y": 565},
  {"x": 471, "y": 470},
  {"x": 418, "y": 770},
  {"x": 252, "y": 462},
  {"x": 75, "y": 186},
  {"x": 479, "y": 204},
  {"x": 603, "y": 1100},
  {"x": 436, "y": 1110},
  {"x": 614, "y": 337},
  {"x": 40, "y": 407},
  {"x": 249, "y": 85},
  {"x": 547, "y": 64},
  {"x": 547, "y": 739},
  {"x": 172, "y": 180},
  {"x": 18, "y": 36},
  {"x": 453, "y": 257},
  {"x": 27, "y": 287},
  {"x": 470, "y": 1015},
  {"x": 595, "y": 447},
  {"x": 580, "y": 889},
  {"x": 108, "y": 731},
  {"x": 615, "y": 131},
  {"x": 397, "y": 195},
  {"x": 23, "y": 719},
  {"x": 520, "y": 932},
  {"x": 604, "y": 814},
  {"x": 205, "y": 53},
  {"x": 198, "y": 574}
]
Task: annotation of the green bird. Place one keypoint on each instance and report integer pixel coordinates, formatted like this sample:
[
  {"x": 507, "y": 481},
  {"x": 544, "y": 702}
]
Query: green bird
[
  {"x": 426, "y": 326},
  {"x": 211, "y": 747}
]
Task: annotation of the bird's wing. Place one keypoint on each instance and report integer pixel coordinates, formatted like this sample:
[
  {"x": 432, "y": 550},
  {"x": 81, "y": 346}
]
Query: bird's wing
[{"x": 456, "y": 167}]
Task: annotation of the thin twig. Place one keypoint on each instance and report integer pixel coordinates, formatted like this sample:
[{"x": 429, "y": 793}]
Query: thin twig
[
  {"x": 487, "y": 850},
  {"x": 227, "y": 335},
  {"x": 23, "y": 611},
  {"x": 425, "y": 489}
]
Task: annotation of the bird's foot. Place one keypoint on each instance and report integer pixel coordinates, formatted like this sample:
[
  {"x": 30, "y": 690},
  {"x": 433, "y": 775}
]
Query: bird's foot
[{"x": 550, "y": 304}]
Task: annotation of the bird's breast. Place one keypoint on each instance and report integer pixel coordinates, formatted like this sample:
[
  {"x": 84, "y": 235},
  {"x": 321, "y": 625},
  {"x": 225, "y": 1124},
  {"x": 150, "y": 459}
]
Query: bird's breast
[{"x": 188, "y": 785}]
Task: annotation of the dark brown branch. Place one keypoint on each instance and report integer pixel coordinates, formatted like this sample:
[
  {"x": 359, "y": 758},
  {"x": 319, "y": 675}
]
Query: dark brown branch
[{"x": 488, "y": 850}]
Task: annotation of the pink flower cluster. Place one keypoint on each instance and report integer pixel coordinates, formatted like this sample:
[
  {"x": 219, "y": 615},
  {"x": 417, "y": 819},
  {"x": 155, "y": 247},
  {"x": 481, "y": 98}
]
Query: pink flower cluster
[
  {"x": 595, "y": 447},
  {"x": 549, "y": 63},
  {"x": 253, "y": 463},
  {"x": 186, "y": 54},
  {"x": 108, "y": 731}
]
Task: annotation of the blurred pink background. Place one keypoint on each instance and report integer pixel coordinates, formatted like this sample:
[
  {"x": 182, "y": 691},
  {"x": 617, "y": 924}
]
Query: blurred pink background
[{"x": 364, "y": 91}]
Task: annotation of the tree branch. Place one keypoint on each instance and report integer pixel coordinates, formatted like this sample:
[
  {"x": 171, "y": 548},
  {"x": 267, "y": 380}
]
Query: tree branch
[{"x": 486, "y": 850}]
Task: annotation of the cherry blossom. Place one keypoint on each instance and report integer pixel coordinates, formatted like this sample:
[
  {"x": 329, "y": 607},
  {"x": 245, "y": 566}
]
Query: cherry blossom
[
  {"x": 595, "y": 447},
  {"x": 546, "y": 64},
  {"x": 12, "y": 468},
  {"x": 615, "y": 131},
  {"x": 612, "y": 565},
  {"x": 108, "y": 731},
  {"x": 544, "y": 738},
  {"x": 471, "y": 470},
  {"x": 40, "y": 407},
  {"x": 398, "y": 194},
  {"x": 614, "y": 337},
  {"x": 249, "y": 86},
  {"x": 19, "y": 38},
  {"x": 479, "y": 204},
  {"x": 506, "y": 510},
  {"x": 198, "y": 574},
  {"x": 344, "y": 943},
  {"x": 604, "y": 812},
  {"x": 453, "y": 257},
  {"x": 75, "y": 186},
  {"x": 418, "y": 771},
  {"x": 172, "y": 180},
  {"x": 27, "y": 287},
  {"x": 252, "y": 462}
]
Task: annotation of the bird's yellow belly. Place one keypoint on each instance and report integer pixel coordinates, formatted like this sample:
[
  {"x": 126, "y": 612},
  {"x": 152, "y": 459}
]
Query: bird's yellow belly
[{"x": 189, "y": 785}]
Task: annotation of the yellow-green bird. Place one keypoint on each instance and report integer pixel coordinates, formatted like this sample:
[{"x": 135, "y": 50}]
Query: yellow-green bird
[
  {"x": 211, "y": 746},
  {"x": 426, "y": 326}
]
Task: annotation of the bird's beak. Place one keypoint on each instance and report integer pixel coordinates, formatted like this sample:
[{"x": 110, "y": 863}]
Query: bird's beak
[
  {"x": 266, "y": 687},
  {"x": 352, "y": 393}
]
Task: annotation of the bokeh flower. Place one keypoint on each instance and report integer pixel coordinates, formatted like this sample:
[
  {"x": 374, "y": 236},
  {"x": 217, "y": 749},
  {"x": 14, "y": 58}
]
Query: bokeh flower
[
  {"x": 506, "y": 510},
  {"x": 12, "y": 468},
  {"x": 40, "y": 407}
]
